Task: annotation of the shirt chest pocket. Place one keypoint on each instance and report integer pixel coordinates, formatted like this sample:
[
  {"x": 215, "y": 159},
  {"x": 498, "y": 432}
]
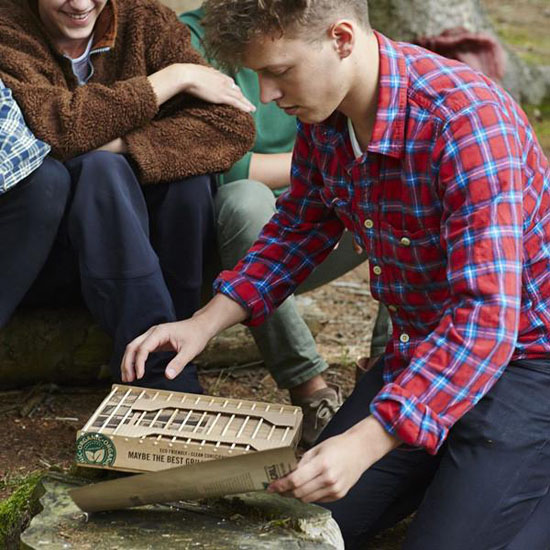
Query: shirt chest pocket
[{"x": 417, "y": 256}]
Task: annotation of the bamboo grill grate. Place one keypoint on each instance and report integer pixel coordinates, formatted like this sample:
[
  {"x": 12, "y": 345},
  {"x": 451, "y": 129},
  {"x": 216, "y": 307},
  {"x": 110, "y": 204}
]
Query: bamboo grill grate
[{"x": 226, "y": 424}]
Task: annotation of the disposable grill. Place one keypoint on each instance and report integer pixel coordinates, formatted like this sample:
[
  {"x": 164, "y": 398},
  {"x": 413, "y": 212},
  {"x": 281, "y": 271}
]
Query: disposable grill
[{"x": 138, "y": 429}]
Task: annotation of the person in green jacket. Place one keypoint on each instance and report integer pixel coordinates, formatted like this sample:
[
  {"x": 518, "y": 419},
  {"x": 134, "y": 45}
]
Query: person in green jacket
[{"x": 245, "y": 201}]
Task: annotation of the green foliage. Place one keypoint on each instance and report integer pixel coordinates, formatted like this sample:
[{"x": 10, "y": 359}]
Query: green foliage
[{"x": 18, "y": 508}]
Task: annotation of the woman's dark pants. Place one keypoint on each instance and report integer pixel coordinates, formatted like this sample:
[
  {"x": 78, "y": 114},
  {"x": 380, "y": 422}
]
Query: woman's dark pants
[{"x": 136, "y": 255}]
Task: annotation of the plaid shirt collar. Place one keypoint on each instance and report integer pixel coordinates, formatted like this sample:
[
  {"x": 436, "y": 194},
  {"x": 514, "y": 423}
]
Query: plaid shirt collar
[{"x": 388, "y": 137}]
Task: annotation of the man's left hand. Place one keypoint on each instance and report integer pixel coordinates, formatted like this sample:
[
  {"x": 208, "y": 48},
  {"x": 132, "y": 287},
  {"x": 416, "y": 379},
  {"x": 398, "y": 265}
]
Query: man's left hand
[{"x": 329, "y": 470}]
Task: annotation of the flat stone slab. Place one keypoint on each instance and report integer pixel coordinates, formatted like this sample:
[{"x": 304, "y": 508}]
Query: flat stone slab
[{"x": 251, "y": 521}]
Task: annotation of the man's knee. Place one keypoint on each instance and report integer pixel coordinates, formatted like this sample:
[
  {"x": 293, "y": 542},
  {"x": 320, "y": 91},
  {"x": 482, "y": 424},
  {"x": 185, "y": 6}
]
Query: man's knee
[{"x": 244, "y": 207}]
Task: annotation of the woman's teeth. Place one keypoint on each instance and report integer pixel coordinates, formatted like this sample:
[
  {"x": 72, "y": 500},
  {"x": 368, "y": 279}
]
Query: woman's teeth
[{"x": 79, "y": 16}]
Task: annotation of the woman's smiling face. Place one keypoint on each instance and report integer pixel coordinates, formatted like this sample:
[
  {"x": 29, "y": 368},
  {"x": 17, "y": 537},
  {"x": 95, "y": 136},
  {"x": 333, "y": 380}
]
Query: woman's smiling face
[{"x": 70, "y": 23}]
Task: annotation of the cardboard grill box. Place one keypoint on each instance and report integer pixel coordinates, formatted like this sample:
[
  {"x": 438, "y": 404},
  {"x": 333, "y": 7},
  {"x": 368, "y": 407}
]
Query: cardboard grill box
[{"x": 143, "y": 430}]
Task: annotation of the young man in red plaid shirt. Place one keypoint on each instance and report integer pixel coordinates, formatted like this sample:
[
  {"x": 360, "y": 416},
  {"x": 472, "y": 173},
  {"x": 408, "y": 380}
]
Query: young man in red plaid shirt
[{"x": 438, "y": 174}]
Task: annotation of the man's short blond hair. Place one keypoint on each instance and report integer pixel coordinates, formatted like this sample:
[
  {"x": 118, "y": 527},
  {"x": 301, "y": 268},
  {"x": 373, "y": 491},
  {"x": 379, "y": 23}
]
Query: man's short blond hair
[{"x": 230, "y": 25}]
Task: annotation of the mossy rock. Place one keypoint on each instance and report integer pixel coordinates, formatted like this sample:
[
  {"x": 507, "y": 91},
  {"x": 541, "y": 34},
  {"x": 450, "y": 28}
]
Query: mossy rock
[
  {"x": 58, "y": 345},
  {"x": 539, "y": 117},
  {"x": 249, "y": 522},
  {"x": 180, "y": 6},
  {"x": 17, "y": 510}
]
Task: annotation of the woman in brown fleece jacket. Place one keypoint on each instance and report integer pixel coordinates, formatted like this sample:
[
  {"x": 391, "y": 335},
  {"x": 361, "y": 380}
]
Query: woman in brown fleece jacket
[
  {"x": 132, "y": 39},
  {"x": 116, "y": 89}
]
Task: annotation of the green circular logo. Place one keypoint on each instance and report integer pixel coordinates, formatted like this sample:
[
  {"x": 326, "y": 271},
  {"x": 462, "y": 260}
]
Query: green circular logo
[{"x": 95, "y": 449}]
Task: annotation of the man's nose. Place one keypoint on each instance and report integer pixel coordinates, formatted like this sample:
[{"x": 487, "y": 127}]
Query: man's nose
[{"x": 269, "y": 91}]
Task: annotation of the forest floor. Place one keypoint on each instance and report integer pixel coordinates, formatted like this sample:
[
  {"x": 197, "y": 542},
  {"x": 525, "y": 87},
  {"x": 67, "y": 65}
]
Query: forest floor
[{"x": 38, "y": 425}]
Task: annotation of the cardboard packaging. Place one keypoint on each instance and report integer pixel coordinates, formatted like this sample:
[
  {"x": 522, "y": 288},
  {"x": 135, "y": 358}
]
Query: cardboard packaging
[
  {"x": 146, "y": 430},
  {"x": 237, "y": 474}
]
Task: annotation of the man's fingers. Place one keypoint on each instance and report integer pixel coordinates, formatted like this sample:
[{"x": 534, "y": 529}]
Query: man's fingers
[
  {"x": 182, "y": 337},
  {"x": 128, "y": 360},
  {"x": 313, "y": 480},
  {"x": 177, "y": 364},
  {"x": 155, "y": 340},
  {"x": 311, "y": 490},
  {"x": 324, "y": 487},
  {"x": 303, "y": 474},
  {"x": 321, "y": 495},
  {"x": 137, "y": 351}
]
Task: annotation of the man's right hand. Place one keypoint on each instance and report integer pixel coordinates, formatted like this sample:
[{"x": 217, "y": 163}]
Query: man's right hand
[
  {"x": 184, "y": 337},
  {"x": 187, "y": 338},
  {"x": 201, "y": 81}
]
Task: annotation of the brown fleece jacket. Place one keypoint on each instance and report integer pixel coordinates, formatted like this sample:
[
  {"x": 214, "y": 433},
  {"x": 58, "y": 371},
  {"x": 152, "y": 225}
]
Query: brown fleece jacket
[{"x": 132, "y": 39}]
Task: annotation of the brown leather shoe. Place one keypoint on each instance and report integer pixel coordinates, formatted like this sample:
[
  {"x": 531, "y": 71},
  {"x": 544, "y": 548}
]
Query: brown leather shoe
[{"x": 318, "y": 409}]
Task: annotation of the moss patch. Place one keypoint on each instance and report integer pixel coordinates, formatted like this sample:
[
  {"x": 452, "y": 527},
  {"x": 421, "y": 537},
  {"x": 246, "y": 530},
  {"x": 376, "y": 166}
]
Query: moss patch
[
  {"x": 539, "y": 117},
  {"x": 523, "y": 26},
  {"x": 17, "y": 510},
  {"x": 530, "y": 46}
]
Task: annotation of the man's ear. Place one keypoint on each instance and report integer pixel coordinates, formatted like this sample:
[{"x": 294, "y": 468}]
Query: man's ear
[{"x": 342, "y": 33}]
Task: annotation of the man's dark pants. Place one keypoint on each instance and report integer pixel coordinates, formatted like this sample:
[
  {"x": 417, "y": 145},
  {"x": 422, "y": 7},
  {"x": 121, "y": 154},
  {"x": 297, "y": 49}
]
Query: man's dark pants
[
  {"x": 87, "y": 226},
  {"x": 487, "y": 488}
]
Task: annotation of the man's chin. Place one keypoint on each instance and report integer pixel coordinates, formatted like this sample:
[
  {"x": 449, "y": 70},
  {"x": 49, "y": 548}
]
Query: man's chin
[
  {"x": 307, "y": 118},
  {"x": 313, "y": 117}
]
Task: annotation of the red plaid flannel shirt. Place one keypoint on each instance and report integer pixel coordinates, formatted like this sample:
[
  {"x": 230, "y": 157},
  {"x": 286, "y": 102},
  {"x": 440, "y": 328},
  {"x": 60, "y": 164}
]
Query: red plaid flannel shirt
[{"x": 451, "y": 203}]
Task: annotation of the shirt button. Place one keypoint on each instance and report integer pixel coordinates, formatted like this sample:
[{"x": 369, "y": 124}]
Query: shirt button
[
  {"x": 406, "y": 241},
  {"x": 377, "y": 270},
  {"x": 404, "y": 338},
  {"x": 369, "y": 224},
  {"x": 392, "y": 308}
]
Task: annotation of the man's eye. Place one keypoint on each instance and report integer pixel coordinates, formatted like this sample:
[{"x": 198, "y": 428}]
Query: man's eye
[{"x": 279, "y": 72}]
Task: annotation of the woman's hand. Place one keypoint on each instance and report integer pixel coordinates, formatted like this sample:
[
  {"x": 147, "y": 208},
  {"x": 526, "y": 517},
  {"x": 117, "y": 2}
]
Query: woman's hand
[
  {"x": 118, "y": 145},
  {"x": 213, "y": 86},
  {"x": 201, "y": 81}
]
